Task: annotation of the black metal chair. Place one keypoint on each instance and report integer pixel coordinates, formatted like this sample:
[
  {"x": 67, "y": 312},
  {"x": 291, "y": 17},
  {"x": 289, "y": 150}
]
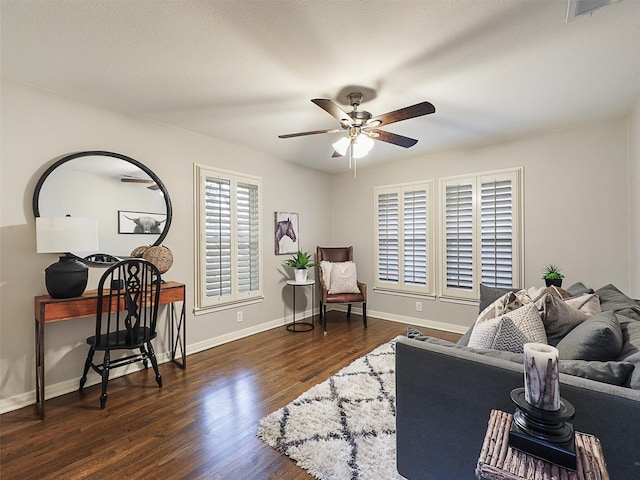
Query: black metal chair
[{"x": 128, "y": 298}]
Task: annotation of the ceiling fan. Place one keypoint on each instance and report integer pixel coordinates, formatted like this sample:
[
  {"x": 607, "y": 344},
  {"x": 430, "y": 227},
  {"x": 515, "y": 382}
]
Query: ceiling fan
[
  {"x": 129, "y": 179},
  {"x": 361, "y": 126}
]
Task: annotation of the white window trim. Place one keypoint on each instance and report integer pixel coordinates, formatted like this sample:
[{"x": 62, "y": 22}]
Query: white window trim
[
  {"x": 516, "y": 175},
  {"x": 400, "y": 287},
  {"x": 202, "y": 302}
]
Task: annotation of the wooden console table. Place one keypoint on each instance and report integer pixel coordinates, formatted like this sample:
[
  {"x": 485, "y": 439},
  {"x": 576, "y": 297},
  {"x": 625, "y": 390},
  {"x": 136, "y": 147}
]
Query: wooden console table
[{"x": 49, "y": 310}]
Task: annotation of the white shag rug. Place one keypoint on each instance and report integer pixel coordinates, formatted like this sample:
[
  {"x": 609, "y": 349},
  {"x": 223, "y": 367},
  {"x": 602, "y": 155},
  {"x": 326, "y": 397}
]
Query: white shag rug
[{"x": 345, "y": 427}]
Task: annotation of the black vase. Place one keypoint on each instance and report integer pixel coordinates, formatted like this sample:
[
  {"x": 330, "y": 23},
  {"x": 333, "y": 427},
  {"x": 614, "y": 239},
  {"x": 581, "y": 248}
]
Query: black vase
[
  {"x": 66, "y": 278},
  {"x": 556, "y": 282}
]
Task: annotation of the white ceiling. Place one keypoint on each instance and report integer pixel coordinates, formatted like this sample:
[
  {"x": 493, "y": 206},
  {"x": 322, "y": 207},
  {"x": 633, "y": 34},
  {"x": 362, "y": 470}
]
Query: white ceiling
[{"x": 245, "y": 71}]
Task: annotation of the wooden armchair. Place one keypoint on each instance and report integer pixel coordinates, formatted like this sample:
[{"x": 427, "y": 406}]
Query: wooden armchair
[{"x": 354, "y": 295}]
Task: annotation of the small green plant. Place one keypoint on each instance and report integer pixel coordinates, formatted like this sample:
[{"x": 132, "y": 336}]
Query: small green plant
[
  {"x": 552, "y": 272},
  {"x": 300, "y": 260}
]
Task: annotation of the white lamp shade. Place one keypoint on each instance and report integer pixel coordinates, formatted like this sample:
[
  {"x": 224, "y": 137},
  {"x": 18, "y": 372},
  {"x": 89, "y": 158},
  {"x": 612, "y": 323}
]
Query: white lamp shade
[
  {"x": 342, "y": 145},
  {"x": 362, "y": 146},
  {"x": 66, "y": 234}
]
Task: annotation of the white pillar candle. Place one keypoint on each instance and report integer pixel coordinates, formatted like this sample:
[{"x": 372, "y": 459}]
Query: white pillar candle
[{"x": 541, "y": 377}]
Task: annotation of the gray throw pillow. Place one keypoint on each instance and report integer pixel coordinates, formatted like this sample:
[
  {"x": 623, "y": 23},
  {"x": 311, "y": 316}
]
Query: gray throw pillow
[
  {"x": 597, "y": 338},
  {"x": 631, "y": 347},
  {"x": 613, "y": 299},
  {"x": 579, "y": 288},
  {"x": 559, "y": 318},
  {"x": 464, "y": 340}
]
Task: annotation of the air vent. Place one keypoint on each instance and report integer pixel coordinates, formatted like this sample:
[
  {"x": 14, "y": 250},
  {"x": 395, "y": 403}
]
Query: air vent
[{"x": 582, "y": 7}]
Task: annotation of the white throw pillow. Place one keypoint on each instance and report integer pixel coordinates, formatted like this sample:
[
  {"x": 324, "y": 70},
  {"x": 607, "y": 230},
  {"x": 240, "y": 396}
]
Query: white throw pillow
[
  {"x": 326, "y": 272},
  {"x": 343, "y": 278}
]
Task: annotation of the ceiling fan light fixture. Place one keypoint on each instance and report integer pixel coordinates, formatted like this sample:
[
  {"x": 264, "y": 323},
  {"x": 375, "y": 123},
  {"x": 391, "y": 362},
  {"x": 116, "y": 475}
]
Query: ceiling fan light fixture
[
  {"x": 362, "y": 146},
  {"x": 341, "y": 145}
]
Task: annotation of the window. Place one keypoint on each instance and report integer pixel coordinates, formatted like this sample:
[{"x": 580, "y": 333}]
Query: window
[
  {"x": 229, "y": 249},
  {"x": 481, "y": 232},
  {"x": 403, "y": 238}
]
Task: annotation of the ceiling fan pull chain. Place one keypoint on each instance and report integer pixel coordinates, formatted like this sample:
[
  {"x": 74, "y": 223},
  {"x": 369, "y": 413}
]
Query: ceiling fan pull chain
[{"x": 350, "y": 152}]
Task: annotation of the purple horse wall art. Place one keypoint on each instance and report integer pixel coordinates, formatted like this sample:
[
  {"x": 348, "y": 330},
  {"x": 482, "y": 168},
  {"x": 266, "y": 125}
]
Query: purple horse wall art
[{"x": 286, "y": 225}]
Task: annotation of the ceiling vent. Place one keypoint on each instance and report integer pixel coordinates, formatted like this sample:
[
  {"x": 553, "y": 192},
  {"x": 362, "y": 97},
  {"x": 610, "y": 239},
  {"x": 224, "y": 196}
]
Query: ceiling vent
[{"x": 582, "y": 7}]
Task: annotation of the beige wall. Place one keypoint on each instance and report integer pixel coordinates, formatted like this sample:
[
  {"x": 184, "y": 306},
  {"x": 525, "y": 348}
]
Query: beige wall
[
  {"x": 576, "y": 211},
  {"x": 38, "y": 128},
  {"x": 577, "y": 214}
]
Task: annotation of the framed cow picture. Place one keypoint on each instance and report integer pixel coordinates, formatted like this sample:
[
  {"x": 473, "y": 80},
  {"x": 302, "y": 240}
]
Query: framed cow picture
[{"x": 140, "y": 223}]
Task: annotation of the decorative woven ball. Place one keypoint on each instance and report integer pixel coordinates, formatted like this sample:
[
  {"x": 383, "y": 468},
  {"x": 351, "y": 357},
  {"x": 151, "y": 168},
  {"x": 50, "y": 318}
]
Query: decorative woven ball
[
  {"x": 138, "y": 251},
  {"x": 160, "y": 256}
]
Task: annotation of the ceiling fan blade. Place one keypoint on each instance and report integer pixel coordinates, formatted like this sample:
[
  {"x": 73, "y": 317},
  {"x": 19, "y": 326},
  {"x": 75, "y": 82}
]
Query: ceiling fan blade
[
  {"x": 313, "y": 132},
  {"x": 334, "y": 110},
  {"x": 135, "y": 180},
  {"x": 394, "y": 138},
  {"x": 413, "y": 111}
]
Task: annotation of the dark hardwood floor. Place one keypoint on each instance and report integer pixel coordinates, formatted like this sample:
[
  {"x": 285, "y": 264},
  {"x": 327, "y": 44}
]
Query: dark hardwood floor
[{"x": 201, "y": 424}]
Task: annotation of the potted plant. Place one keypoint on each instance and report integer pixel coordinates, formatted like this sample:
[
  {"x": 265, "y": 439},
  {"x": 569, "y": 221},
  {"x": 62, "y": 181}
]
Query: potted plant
[
  {"x": 552, "y": 275},
  {"x": 300, "y": 261}
]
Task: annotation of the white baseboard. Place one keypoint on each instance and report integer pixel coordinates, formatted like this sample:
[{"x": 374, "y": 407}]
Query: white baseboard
[
  {"x": 62, "y": 388},
  {"x": 417, "y": 322}
]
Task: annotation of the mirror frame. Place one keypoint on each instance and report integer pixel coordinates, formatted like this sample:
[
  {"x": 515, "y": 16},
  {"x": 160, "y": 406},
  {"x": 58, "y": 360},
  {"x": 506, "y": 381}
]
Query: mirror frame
[{"x": 141, "y": 166}]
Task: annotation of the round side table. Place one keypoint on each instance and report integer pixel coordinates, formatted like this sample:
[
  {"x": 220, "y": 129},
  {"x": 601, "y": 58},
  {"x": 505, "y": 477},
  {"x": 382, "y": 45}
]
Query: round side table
[{"x": 302, "y": 326}]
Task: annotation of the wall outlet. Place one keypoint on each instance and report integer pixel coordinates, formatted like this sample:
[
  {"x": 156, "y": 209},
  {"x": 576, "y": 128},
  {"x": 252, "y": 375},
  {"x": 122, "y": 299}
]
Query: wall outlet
[
  {"x": 418, "y": 306},
  {"x": 239, "y": 317}
]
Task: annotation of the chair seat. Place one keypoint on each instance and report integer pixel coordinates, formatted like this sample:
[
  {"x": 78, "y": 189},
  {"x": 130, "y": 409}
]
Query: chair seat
[
  {"x": 344, "y": 298},
  {"x": 121, "y": 339}
]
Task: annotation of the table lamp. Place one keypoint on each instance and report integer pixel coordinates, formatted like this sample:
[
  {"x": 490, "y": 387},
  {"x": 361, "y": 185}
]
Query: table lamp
[{"x": 68, "y": 277}]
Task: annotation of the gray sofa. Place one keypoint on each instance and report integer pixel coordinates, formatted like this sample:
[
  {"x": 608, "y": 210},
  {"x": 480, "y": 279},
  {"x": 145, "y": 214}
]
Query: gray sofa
[{"x": 445, "y": 392}]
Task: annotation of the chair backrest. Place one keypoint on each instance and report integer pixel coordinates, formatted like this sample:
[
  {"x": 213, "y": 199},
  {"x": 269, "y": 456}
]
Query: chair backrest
[
  {"x": 334, "y": 254},
  {"x": 128, "y": 298}
]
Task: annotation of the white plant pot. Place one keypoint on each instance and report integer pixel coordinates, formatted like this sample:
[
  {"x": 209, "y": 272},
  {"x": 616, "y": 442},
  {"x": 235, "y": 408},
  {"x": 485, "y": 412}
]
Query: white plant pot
[{"x": 301, "y": 274}]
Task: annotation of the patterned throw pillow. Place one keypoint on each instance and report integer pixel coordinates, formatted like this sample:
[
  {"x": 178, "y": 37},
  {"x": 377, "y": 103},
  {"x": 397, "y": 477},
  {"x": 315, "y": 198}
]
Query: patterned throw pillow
[
  {"x": 510, "y": 331},
  {"x": 506, "y": 303}
]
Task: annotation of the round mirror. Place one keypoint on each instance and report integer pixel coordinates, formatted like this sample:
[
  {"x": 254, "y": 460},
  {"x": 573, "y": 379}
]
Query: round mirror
[{"x": 131, "y": 204}]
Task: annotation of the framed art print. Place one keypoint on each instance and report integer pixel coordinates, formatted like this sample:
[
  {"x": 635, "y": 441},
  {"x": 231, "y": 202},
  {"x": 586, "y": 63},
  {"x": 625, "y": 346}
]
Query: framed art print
[{"x": 286, "y": 231}]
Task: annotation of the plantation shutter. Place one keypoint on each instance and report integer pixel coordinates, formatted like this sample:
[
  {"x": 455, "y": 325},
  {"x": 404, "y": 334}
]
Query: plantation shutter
[
  {"x": 248, "y": 236},
  {"x": 218, "y": 238},
  {"x": 403, "y": 246},
  {"x": 497, "y": 233},
  {"x": 483, "y": 236},
  {"x": 459, "y": 236},
  {"x": 229, "y": 260},
  {"x": 388, "y": 237},
  {"x": 415, "y": 237}
]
